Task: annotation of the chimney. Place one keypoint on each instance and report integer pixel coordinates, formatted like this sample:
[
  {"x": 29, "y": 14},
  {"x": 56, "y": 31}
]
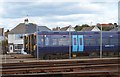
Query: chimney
[{"x": 26, "y": 21}]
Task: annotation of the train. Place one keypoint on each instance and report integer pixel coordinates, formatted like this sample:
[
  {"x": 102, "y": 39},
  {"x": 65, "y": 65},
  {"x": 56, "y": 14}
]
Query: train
[{"x": 72, "y": 44}]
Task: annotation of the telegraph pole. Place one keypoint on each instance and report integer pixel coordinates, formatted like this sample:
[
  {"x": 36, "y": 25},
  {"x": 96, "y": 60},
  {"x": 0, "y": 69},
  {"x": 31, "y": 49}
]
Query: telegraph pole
[
  {"x": 70, "y": 42},
  {"x": 101, "y": 42},
  {"x": 37, "y": 42}
]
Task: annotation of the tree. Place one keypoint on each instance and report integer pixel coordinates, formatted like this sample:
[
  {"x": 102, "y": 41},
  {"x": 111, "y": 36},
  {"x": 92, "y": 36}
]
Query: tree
[
  {"x": 5, "y": 46},
  {"x": 79, "y": 28}
]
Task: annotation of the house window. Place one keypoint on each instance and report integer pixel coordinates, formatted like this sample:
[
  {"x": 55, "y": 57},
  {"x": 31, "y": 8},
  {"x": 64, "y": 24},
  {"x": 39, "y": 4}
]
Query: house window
[
  {"x": 19, "y": 36},
  {"x": 18, "y": 46}
]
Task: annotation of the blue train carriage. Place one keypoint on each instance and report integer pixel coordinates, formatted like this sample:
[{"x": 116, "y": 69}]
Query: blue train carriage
[{"x": 58, "y": 44}]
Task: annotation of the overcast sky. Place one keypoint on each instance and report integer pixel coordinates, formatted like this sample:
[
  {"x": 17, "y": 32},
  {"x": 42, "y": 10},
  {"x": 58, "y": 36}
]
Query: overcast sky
[{"x": 52, "y": 13}]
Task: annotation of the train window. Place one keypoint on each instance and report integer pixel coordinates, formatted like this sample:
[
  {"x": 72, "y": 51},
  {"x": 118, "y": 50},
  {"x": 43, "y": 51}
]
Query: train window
[
  {"x": 46, "y": 41},
  {"x": 80, "y": 41},
  {"x": 75, "y": 41},
  {"x": 63, "y": 41},
  {"x": 54, "y": 42},
  {"x": 34, "y": 38},
  {"x": 114, "y": 41},
  {"x": 105, "y": 41},
  {"x": 90, "y": 42},
  {"x": 40, "y": 40},
  {"x": 60, "y": 40}
]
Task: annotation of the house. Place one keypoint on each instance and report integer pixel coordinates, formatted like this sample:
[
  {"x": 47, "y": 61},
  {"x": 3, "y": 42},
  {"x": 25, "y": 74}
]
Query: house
[
  {"x": 91, "y": 28},
  {"x": 67, "y": 28},
  {"x": 107, "y": 27},
  {"x": 56, "y": 29},
  {"x": 43, "y": 28},
  {"x": 16, "y": 35},
  {"x": 114, "y": 29}
]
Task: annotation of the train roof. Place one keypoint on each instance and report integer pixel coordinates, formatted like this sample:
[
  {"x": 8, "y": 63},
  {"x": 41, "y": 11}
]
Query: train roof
[
  {"x": 73, "y": 32},
  {"x": 76, "y": 32}
]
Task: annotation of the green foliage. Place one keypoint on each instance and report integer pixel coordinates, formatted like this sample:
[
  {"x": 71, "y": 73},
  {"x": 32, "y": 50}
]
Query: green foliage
[
  {"x": 106, "y": 28},
  {"x": 78, "y": 28}
]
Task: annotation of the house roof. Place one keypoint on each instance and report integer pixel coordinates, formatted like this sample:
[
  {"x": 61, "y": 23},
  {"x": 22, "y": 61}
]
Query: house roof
[
  {"x": 23, "y": 28},
  {"x": 43, "y": 28},
  {"x": 87, "y": 28},
  {"x": 64, "y": 28},
  {"x": 1, "y": 31},
  {"x": 105, "y": 25}
]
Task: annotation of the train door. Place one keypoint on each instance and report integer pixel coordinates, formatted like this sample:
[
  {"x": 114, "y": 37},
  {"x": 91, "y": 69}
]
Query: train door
[
  {"x": 74, "y": 43},
  {"x": 80, "y": 43},
  {"x": 77, "y": 43}
]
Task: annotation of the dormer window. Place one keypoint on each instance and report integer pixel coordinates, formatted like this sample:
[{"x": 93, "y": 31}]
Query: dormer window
[{"x": 26, "y": 21}]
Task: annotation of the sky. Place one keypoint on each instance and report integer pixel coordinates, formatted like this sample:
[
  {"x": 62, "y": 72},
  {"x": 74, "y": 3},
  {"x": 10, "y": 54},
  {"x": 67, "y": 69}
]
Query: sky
[{"x": 53, "y": 13}]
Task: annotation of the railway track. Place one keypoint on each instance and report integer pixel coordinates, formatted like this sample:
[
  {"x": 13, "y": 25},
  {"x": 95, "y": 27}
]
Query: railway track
[
  {"x": 108, "y": 66},
  {"x": 68, "y": 74}
]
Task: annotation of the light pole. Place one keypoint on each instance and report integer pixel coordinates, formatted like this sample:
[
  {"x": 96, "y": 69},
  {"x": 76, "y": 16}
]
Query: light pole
[
  {"x": 37, "y": 42},
  {"x": 70, "y": 42},
  {"x": 101, "y": 42}
]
